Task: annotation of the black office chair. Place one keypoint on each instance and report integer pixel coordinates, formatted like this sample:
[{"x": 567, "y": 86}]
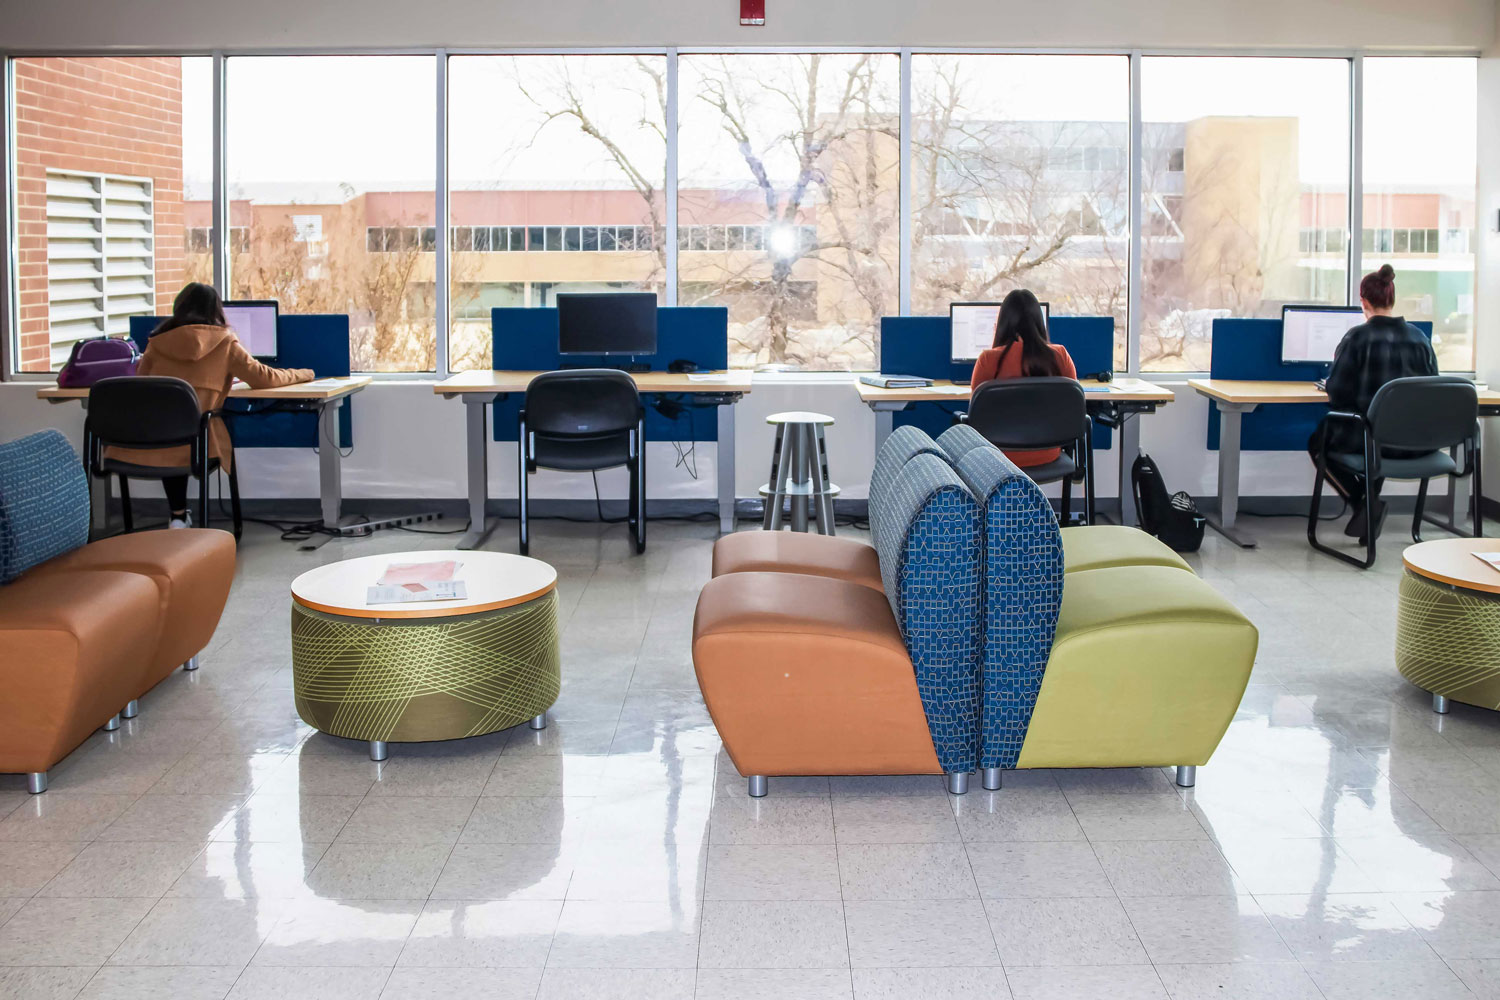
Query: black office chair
[
  {"x": 152, "y": 412},
  {"x": 1030, "y": 414},
  {"x": 1432, "y": 415},
  {"x": 584, "y": 420}
]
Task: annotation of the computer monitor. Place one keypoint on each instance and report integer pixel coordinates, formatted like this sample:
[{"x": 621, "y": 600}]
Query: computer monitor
[
  {"x": 1311, "y": 334},
  {"x": 254, "y": 322},
  {"x": 973, "y": 328},
  {"x": 606, "y": 323}
]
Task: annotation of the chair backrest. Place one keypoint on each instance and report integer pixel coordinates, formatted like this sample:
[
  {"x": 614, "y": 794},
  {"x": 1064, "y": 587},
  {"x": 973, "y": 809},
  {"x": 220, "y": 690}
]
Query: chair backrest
[
  {"x": 926, "y": 535},
  {"x": 582, "y": 403},
  {"x": 1021, "y": 413},
  {"x": 1022, "y": 588},
  {"x": 143, "y": 411},
  {"x": 903, "y": 444},
  {"x": 44, "y": 502},
  {"x": 1424, "y": 413}
]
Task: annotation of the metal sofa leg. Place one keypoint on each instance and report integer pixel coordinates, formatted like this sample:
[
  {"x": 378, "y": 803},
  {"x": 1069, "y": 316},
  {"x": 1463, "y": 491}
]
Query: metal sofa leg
[
  {"x": 112, "y": 724},
  {"x": 191, "y": 664},
  {"x": 379, "y": 750},
  {"x": 958, "y": 782},
  {"x": 36, "y": 782},
  {"x": 539, "y": 721},
  {"x": 1440, "y": 704},
  {"x": 1187, "y": 775},
  {"x": 990, "y": 777},
  {"x": 131, "y": 710},
  {"x": 759, "y": 785}
]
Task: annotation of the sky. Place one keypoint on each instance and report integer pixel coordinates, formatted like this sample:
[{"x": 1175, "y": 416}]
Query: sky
[{"x": 369, "y": 121}]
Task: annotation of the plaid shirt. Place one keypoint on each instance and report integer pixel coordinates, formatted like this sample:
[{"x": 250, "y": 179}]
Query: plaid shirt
[{"x": 1369, "y": 356}]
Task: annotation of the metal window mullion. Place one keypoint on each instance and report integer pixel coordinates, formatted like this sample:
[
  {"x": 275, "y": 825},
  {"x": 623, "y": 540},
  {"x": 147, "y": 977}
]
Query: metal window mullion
[
  {"x": 442, "y": 263},
  {"x": 904, "y": 264},
  {"x": 670, "y": 278},
  {"x": 1135, "y": 280},
  {"x": 9, "y": 326},
  {"x": 1356, "y": 178},
  {"x": 218, "y": 230}
]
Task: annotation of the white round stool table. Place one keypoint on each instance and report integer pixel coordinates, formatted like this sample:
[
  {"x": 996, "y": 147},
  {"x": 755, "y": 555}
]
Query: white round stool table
[
  {"x": 799, "y": 472},
  {"x": 425, "y": 670}
]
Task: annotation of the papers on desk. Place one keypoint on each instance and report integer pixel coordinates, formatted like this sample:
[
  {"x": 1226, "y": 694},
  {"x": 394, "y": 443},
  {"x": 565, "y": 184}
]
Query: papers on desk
[
  {"x": 405, "y": 582},
  {"x": 708, "y": 376},
  {"x": 325, "y": 383}
]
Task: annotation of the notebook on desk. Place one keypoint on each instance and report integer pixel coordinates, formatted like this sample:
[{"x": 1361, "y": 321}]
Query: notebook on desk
[{"x": 896, "y": 381}]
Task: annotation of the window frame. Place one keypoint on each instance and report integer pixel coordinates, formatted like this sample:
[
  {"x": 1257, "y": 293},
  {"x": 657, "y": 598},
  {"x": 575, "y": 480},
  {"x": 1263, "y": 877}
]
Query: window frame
[{"x": 221, "y": 236}]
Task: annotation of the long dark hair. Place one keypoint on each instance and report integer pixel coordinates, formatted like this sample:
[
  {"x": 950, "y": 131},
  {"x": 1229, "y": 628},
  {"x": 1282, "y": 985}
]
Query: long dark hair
[
  {"x": 196, "y": 305},
  {"x": 1021, "y": 320}
]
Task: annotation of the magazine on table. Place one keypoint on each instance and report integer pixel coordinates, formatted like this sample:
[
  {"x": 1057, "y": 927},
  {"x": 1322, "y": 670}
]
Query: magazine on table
[{"x": 429, "y": 581}]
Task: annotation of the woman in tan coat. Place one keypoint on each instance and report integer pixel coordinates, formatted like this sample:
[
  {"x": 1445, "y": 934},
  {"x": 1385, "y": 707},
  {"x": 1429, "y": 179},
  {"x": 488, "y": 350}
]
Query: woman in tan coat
[{"x": 196, "y": 345}]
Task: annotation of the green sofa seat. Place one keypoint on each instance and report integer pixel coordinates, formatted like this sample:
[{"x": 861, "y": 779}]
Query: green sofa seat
[
  {"x": 1147, "y": 669},
  {"x": 1104, "y": 546}
]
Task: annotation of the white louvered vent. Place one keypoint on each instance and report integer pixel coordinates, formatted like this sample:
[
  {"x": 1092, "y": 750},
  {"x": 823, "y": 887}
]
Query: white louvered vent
[{"x": 101, "y": 256}]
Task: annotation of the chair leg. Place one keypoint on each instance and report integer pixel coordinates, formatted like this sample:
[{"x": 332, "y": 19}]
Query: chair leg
[
  {"x": 783, "y": 475},
  {"x": 523, "y": 492},
  {"x": 234, "y": 502},
  {"x": 771, "y": 479},
  {"x": 203, "y": 514},
  {"x": 1065, "y": 516},
  {"x": 1416, "y": 518},
  {"x": 825, "y": 485},
  {"x": 125, "y": 505},
  {"x": 1477, "y": 496},
  {"x": 1088, "y": 480},
  {"x": 1369, "y": 521},
  {"x": 639, "y": 479}
]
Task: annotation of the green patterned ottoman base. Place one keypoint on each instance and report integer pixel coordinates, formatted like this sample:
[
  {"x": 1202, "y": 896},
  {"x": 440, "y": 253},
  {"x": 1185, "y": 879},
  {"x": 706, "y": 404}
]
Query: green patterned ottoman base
[
  {"x": 1448, "y": 641},
  {"x": 416, "y": 680}
]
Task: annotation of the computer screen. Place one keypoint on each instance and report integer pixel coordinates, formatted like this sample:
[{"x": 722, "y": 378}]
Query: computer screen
[
  {"x": 1313, "y": 333},
  {"x": 606, "y": 323},
  {"x": 254, "y": 322},
  {"x": 973, "y": 328}
]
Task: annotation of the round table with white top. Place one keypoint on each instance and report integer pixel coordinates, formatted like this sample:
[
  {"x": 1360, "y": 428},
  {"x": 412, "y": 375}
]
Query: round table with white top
[{"x": 429, "y": 670}]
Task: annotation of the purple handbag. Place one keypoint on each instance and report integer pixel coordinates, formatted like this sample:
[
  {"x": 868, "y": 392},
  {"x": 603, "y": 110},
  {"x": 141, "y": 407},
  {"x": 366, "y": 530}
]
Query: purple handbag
[{"x": 100, "y": 357}]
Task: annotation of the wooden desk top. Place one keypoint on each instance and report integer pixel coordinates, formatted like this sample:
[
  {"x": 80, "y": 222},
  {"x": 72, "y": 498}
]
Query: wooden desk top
[
  {"x": 322, "y": 388},
  {"x": 734, "y": 380},
  {"x": 1451, "y": 561},
  {"x": 1242, "y": 391},
  {"x": 1121, "y": 390},
  {"x": 493, "y": 580}
]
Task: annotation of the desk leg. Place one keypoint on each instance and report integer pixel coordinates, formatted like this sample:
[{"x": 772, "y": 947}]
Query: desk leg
[
  {"x": 476, "y": 412},
  {"x": 330, "y": 463},
  {"x": 725, "y": 462},
  {"x": 885, "y": 422},
  {"x": 99, "y": 505},
  {"x": 1129, "y": 444},
  {"x": 1229, "y": 472}
]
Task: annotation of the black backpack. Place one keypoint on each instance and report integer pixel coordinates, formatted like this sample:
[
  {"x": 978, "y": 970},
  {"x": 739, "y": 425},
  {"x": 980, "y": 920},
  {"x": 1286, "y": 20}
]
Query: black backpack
[{"x": 1174, "y": 519}]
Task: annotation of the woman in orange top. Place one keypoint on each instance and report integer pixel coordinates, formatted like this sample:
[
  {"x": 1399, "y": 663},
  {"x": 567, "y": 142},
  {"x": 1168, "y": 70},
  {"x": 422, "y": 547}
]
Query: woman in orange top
[
  {"x": 1021, "y": 350},
  {"x": 196, "y": 345}
]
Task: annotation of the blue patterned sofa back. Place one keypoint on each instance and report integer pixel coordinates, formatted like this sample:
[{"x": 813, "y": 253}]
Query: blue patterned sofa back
[
  {"x": 960, "y": 439},
  {"x": 904, "y": 444},
  {"x": 1023, "y": 582},
  {"x": 926, "y": 532},
  {"x": 44, "y": 502}
]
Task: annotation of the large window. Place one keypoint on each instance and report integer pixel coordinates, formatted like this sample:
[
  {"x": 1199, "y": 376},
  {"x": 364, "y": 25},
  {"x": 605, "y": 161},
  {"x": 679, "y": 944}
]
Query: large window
[
  {"x": 1243, "y": 158},
  {"x": 1021, "y": 168},
  {"x": 787, "y": 202},
  {"x": 1419, "y": 179},
  {"x": 557, "y": 177},
  {"x": 320, "y": 150},
  {"x": 109, "y": 155}
]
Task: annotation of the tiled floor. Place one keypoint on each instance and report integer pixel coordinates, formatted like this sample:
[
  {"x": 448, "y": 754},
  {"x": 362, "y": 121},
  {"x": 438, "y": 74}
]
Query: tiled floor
[{"x": 1343, "y": 843}]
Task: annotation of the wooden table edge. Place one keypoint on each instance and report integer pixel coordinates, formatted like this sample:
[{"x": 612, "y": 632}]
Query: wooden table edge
[
  {"x": 1460, "y": 584},
  {"x": 432, "y": 609}
]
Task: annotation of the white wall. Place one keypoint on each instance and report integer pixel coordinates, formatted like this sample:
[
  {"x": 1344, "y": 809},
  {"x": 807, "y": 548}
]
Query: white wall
[{"x": 206, "y": 24}]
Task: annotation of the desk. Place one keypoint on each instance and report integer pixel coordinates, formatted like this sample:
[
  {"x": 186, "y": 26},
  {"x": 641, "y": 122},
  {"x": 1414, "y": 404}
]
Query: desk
[
  {"x": 325, "y": 395},
  {"x": 478, "y": 389},
  {"x": 1126, "y": 398},
  {"x": 1235, "y": 397}
]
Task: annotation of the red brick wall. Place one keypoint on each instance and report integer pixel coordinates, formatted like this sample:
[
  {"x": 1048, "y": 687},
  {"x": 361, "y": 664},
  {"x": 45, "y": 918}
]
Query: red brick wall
[{"x": 116, "y": 116}]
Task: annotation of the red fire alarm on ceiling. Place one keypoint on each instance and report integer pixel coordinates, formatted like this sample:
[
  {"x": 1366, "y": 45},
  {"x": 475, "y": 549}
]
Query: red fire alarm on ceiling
[{"x": 753, "y": 12}]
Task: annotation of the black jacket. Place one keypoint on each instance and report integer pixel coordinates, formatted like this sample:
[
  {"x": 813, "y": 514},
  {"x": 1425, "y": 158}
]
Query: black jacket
[{"x": 1370, "y": 355}]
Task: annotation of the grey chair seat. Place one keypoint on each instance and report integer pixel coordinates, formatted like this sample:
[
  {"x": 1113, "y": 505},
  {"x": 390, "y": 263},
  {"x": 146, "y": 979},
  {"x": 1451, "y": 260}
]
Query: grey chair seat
[
  {"x": 1428, "y": 466},
  {"x": 1059, "y": 468}
]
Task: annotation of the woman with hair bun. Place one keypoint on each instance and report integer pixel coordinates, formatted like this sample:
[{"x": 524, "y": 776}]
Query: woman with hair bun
[{"x": 1382, "y": 348}]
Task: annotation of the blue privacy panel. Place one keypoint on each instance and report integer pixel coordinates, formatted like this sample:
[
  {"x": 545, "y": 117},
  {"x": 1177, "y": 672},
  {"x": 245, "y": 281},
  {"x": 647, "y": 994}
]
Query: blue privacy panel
[
  {"x": 1250, "y": 349},
  {"x": 319, "y": 342},
  {"x": 921, "y": 345},
  {"x": 526, "y": 340}
]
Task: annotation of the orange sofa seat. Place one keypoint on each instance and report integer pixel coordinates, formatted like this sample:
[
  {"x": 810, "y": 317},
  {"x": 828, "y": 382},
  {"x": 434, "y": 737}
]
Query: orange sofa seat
[{"x": 798, "y": 552}]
